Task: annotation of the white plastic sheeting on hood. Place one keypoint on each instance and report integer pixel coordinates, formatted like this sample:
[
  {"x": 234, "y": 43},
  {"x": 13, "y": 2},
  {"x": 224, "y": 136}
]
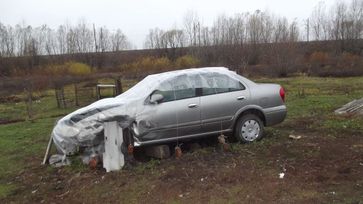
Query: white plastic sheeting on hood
[{"x": 84, "y": 127}]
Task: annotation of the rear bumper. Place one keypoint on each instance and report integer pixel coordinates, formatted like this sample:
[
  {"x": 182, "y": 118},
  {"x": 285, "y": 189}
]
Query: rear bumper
[{"x": 275, "y": 115}]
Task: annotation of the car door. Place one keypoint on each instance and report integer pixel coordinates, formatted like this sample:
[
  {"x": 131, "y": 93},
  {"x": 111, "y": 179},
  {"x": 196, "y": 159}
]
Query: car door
[
  {"x": 187, "y": 105},
  {"x": 163, "y": 114},
  {"x": 179, "y": 112},
  {"x": 221, "y": 99}
]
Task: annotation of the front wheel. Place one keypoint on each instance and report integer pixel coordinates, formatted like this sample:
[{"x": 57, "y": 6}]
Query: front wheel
[{"x": 249, "y": 128}]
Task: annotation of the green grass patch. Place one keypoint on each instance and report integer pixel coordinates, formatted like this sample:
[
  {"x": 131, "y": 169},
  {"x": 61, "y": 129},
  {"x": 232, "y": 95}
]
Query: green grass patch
[
  {"x": 20, "y": 142},
  {"x": 309, "y": 100},
  {"x": 312, "y": 100},
  {"x": 6, "y": 190}
]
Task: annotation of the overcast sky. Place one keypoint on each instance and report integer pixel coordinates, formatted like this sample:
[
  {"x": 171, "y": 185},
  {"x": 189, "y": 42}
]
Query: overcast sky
[{"x": 136, "y": 17}]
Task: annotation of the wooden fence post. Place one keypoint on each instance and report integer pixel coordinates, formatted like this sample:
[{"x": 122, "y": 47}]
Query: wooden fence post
[
  {"x": 29, "y": 101},
  {"x": 98, "y": 92},
  {"x": 118, "y": 86},
  {"x": 76, "y": 94},
  {"x": 57, "y": 96},
  {"x": 63, "y": 98}
]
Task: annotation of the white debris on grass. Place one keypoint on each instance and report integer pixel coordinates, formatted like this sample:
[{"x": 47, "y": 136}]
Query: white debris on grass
[
  {"x": 58, "y": 160},
  {"x": 281, "y": 175},
  {"x": 295, "y": 137},
  {"x": 352, "y": 108}
]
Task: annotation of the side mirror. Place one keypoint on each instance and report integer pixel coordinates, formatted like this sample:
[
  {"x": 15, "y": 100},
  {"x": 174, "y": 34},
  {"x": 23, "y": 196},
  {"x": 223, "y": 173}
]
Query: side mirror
[{"x": 156, "y": 98}]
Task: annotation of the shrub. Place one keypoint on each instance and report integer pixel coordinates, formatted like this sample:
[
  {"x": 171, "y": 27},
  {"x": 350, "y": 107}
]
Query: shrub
[
  {"x": 146, "y": 65},
  {"x": 69, "y": 68},
  {"x": 162, "y": 63},
  {"x": 76, "y": 68},
  {"x": 18, "y": 72},
  {"x": 55, "y": 70},
  {"x": 349, "y": 59},
  {"x": 187, "y": 61},
  {"x": 320, "y": 58}
]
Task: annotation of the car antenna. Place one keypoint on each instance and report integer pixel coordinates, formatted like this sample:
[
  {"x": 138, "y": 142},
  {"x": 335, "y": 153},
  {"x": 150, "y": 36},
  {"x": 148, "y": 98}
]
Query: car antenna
[
  {"x": 177, "y": 120},
  {"x": 178, "y": 152},
  {"x": 221, "y": 129},
  {"x": 222, "y": 138},
  {"x": 177, "y": 127}
]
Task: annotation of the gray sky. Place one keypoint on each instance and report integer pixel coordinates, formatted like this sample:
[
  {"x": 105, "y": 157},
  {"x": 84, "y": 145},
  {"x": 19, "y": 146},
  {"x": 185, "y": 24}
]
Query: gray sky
[{"x": 136, "y": 17}]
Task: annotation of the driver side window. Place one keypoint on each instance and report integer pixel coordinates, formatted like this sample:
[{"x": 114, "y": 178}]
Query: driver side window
[
  {"x": 178, "y": 88},
  {"x": 184, "y": 87},
  {"x": 166, "y": 90}
]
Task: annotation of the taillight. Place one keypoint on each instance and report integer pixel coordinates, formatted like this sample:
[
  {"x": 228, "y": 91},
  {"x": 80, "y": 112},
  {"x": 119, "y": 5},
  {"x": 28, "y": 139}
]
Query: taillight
[{"x": 282, "y": 94}]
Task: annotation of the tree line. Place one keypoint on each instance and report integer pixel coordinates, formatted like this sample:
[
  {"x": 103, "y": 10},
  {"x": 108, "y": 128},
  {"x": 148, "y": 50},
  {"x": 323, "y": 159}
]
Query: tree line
[
  {"x": 25, "y": 40},
  {"x": 343, "y": 21},
  {"x": 261, "y": 37},
  {"x": 238, "y": 41},
  {"x": 244, "y": 28}
]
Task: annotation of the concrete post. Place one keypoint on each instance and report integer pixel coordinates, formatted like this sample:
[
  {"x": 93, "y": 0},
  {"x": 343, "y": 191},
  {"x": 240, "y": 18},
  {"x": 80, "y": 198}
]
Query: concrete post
[{"x": 113, "y": 158}]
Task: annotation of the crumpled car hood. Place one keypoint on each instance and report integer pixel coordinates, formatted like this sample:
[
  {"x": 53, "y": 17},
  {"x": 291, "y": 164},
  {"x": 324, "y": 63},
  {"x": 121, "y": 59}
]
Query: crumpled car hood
[{"x": 84, "y": 127}]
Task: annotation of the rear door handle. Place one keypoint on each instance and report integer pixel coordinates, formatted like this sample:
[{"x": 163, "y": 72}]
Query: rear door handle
[
  {"x": 240, "y": 98},
  {"x": 193, "y": 105}
]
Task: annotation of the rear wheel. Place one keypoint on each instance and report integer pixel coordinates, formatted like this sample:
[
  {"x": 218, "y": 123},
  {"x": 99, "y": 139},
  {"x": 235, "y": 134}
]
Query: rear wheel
[{"x": 249, "y": 128}]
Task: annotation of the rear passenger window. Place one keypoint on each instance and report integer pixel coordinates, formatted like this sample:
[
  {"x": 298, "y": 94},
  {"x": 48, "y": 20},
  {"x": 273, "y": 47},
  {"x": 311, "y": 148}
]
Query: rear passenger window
[
  {"x": 219, "y": 83},
  {"x": 238, "y": 87},
  {"x": 208, "y": 85},
  {"x": 208, "y": 91}
]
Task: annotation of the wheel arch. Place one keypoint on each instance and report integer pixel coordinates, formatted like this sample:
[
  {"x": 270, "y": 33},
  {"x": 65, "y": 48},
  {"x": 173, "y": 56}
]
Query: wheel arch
[{"x": 255, "y": 110}]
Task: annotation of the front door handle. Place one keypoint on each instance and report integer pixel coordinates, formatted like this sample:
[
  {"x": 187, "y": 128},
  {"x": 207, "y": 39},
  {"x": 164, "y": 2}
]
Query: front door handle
[
  {"x": 192, "y": 105},
  {"x": 240, "y": 98}
]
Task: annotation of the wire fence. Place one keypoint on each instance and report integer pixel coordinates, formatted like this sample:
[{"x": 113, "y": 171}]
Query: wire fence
[
  {"x": 81, "y": 94},
  {"x": 78, "y": 96},
  {"x": 34, "y": 104}
]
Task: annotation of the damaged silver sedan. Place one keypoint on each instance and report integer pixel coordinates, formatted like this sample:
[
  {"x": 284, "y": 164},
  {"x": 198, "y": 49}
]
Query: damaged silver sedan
[{"x": 174, "y": 106}]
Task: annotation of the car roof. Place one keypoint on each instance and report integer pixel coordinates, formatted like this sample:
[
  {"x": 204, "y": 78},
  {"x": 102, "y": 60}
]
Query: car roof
[
  {"x": 220, "y": 70},
  {"x": 193, "y": 70}
]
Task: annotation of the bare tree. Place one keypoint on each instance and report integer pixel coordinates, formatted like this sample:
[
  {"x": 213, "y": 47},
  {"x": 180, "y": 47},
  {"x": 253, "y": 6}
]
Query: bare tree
[
  {"x": 119, "y": 41},
  {"x": 61, "y": 37},
  {"x": 154, "y": 39},
  {"x": 7, "y": 41},
  {"x": 319, "y": 22},
  {"x": 356, "y": 16},
  {"x": 192, "y": 26}
]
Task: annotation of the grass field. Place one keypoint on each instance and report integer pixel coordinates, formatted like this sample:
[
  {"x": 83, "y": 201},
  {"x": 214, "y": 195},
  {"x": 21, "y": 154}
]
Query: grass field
[{"x": 326, "y": 165}]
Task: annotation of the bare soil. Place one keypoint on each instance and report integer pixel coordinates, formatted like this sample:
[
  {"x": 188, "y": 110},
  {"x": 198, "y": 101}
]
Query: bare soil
[
  {"x": 6, "y": 121},
  {"x": 317, "y": 168}
]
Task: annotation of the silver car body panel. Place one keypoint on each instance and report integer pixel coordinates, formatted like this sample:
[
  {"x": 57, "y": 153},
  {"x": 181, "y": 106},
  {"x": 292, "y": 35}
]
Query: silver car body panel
[
  {"x": 196, "y": 103},
  {"x": 219, "y": 112}
]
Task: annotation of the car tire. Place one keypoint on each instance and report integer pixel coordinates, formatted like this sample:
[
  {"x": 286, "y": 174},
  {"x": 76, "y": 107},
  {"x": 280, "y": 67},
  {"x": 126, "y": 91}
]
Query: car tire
[{"x": 249, "y": 128}]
